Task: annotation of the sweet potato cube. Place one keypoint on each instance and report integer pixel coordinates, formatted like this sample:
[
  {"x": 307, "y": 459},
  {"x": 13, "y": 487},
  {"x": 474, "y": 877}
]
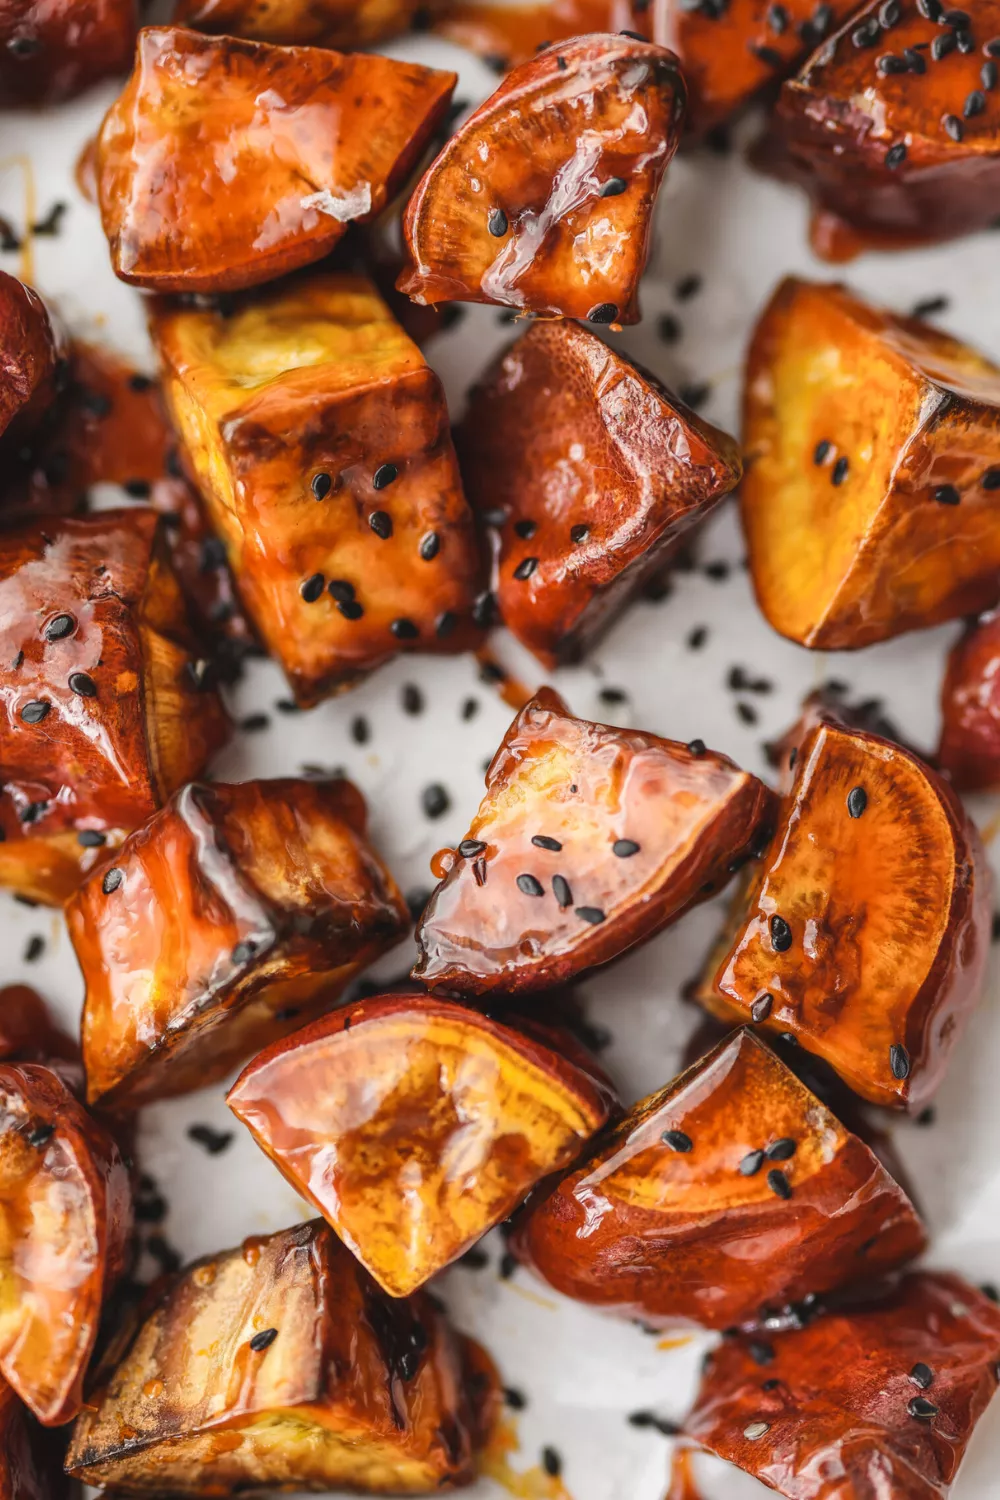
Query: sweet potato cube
[
  {"x": 506, "y": 36},
  {"x": 65, "y": 1224},
  {"x": 105, "y": 708},
  {"x": 30, "y": 361},
  {"x": 969, "y": 749},
  {"x": 226, "y": 163},
  {"x": 588, "y": 841},
  {"x": 281, "y": 1364},
  {"x": 315, "y": 23},
  {"x": 879, "y": 1398},
  {"x": 53, "y": 49},
  {"x": 543, "y": 198},
  {"x": 346, "y": 1107},
  {"x": 866, "y": 926},
  {"x": 596, "y": 469},
  {"x": 732, "y": 1190},
  {"x": 871, "y": 499},
  {"x": 231, "y": 916},
  {"x": 320, "y": 441}
]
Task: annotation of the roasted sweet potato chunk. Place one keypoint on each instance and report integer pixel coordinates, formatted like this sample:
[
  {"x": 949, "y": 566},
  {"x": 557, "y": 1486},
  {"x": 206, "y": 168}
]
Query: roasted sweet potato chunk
[
  {"x": 281, "y": 1364},
  {"x": 867, "y": 922},
  {"x": 969, "y": 749},
  {"x": 226, "y": 163},
  {"x": 596, "y": 470},
  {"x": 104, "y": 710},
  {"x": 506, "y": 36},
  {"x": 30, "y": 1459},
  {"x": 226, "y": 920},
  {"x": 732, "y": 1189},
  {"x": 876, "y": 1399},
  {"x": 321, "y": 444},
  {"x": 872, "y": 489},
  {"x": 31, "y": 357},
  {"x": 65, "y": 1223},
  {"x": 53, "y": 49},
  {"x": 316, "y": 23},
  {"x": 543, "y": 198},
  {"x": 347, "y": 1107},
  {"x": 588, "y": 841}
]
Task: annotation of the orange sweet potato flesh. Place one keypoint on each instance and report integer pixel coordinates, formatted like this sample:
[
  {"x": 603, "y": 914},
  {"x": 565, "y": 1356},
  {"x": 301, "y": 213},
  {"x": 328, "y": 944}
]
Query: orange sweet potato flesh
[
  {"x": 597, "y": 469},
  {"x": 891, "y": 525},
  {"x": 227, "y": 163},
  {"x": 30, "y": 355},
  {"x": 866, "y": 926},
  {"x": 677, "y": 1216},
  {"x": 65, "y": 1225},
  {"x": 969, "y": 749},
  {"x": 354, "y": 1391},
  {"x": 512, "y": 914},
  {"x": 831, "y": 1416},
  {"x": 415, "y": 1125},
  {"x": 234, "y": 914},
  {"x": 103, "y": 715},
  {"x": 316, "y": 23},
  {"x": 53, "y": 49},
  {"x": 535, "y": 163}
]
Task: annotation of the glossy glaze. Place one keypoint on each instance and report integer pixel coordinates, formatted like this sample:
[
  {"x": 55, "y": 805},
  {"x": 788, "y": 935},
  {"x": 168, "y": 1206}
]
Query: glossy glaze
[
  {"x": 415, "y": 1125},
  {"x": 30, "y": 1033},
  {"x": 30, "y": 354},
  {"x": 241, "y": 911},
  {"x": 65, "y": 1226},
  {"x": 969, "y": 748},
  {"x": 839, "y": 119},
  {"x": 317, "y": 23},
  {"x": 125, "y": 722},
  {"x": 539, "y": 152},
  {"x": 53, "y": 49},
  {"x": 586, "y": 786},
  {"x": 507, "y": 35},
  {"x": 911, "y": 416},
  {"x": 883, "y": 918},
  {"x": 356, "y": 1391},
  {"x": 292, "y": 410},
  {"x": 564, "y": 435},
  {"x": 683, "y": 1235},
  {"x": 834, "y": 1400},
  {"x": 227, "y": 163},
  {"x": 30, "y": 1458}
]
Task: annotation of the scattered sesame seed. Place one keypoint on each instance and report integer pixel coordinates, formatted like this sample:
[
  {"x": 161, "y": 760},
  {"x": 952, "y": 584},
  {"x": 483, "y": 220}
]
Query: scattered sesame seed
[
  {"x": 59, "y": 627},
  {"x": 889, "y": 14},
  {"x": 921, "y": 1408},
  {"x": 942, "y": 45},
  {"x": 514, "y": 1398},
  {"x": 91, "y": 838},
  {"x": 888, "y": 63},
  {"x": 777, "y": 19},
  {"x": 769, "y": 56},
  {"x": 471, "y": 848},
  {"x": 624, "y": 848},
  {"x": 528, "y": 885},
  {"x": 525, "y": 528},
  {"x": 430, "y": 546},
  {"x": 822, "y": 450},
  {"x": 551, "y": 1462},
  {"x": 781, "y": 934},
  {"x": 384, "y": 476},
  {"x": 697, "y": 637},
  {"x": 604, "y": 312},
  {"x": 669, "y": 328},
  {"x": 780, "y": 1150},
  {"x": 35, "y": 711},
  {"x": 946, "y": 494},
  {"x": 958, "y": 20},
  {"x": 445, "y": 624},
  {"x": 591, "y": 914},
  {"x": 922, "y": 1375},
  {"x": 579, "y": 533},
  {"x": 895, "y": 156},
  {"x": 761, "y": 1008},
  {"x": 404, "y": 629},
  {"x": 779, "y": 1183},
  {"x": 756, "y": 1430},
  {"x": 497, "y": 223},
  {"x": 899, "y": 1061},
  {"x": 562, "y": 892},
  {"x": 613, "y": 188},
  {"x": 321, "y": 485},
  {"x": 484, "y": 610},
  {"x": 857, "y": 801},
  {"x": 82, "y": 684},
  {"x": 988, "y": 74},
  {"x": 380, "y": 522},
  {"x": 747, "y": 713},
  {"x": 991, "y": 479},
  {"x": 263, "y": 1340},
  {"x": 525, "y": 568},
  {"x": 867, "y": 34},
  {"x": 212, "y": 1141},
  {"x": 696, "y": 748},
  {"x": 253, "y": 723},
  {"x": 929, "y": 306},
  {"x": 243, "y": 952},
  {"x": 412, "y": 698},
  {"x": 760, "y": 1352},
  {"x": 974, "y": 105},
  {"x": 41, "y": 1135},
  {"x": 677, "y": 1140},
  {"x": 839, "y": 471},
  {"x": 751, "y": 1163},
  {"x": 311, "y": 588},
  {"x": 350, "y": 609},
  {"x": 927, "y": 1116},
  {"x": 914, "y": 60},
  {"x": 34, "y": 948},
  {"x": 434, "y": 800},
  {"x": 930, "y": 9},
  {"x": 470, "y": 707},
  {"x": 361, "y": 730},
  {"x": 137, "y": 489},
  {"x": 953, "y": 127},
  {"x": 112, "y": 880}
]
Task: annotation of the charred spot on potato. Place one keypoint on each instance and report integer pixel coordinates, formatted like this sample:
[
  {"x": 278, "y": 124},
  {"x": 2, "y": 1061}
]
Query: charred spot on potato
[
  {"x": 315, "y": 23},
  {"x": 54, "y": 49}
]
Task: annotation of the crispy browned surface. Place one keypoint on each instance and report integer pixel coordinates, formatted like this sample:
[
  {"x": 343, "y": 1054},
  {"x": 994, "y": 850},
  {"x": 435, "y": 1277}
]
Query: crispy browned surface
[
  {"x": 30, "y": 1458},
  {"x": 415, "y": 1125},
  {"x": 539, "y": 152},
  {"x": 30, "y": 354},
  {"x": 828, "y": 1418},
  {"x": 838, "y": 121},
  {"x": 241, "y": 911},
  {"x": 598, "y": 470},
  {"x": 354, "y": 1392},
  {"x": 868, "y": 929},
  {"x": 53, "y": 49},
  {"x": 124, "y": 722},
  {"x": 690, "y": 813},
  {"x": 210, "y": 163},
  {"x": 969, "y": 748},
  {"x": 315, "y": 384},
  {"x": 915, "y": 415},
  {"x": 685, "y": 1235},
  {"x": 317, "y": 23},
  {"x": 65, "y": 1222}
]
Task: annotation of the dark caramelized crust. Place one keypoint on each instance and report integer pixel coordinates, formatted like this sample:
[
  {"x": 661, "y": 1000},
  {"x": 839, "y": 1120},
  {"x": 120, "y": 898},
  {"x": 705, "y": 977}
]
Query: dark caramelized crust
[
  {"x": 596, "y": 469},
  {"x": 969, "y": 748},
  {"x": 879, "y": 1399},
  {"x": 30, "y": 1458},
  {"x": 226, "y": 163},
  {"x": 53, "y": 49},
  {"x": 316, "y": 23},
  {"x": 517, "y": 208},
  {"x": 30, "y": 354}
]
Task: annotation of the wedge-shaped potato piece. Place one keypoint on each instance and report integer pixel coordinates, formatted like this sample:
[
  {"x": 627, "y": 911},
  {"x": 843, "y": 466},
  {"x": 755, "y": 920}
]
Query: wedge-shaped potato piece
[
  {"x": 30, "y": 1458},
  {"x": 969, "y": 749},
  {"x": 106, "y": 711},
  {"x": 894, "y": 154},
  {"x": 872, "y": 491},
  {"x": 596, "y": 470},
  {"x": 346, "y": 1108},
  {"x": 31, "y": 360},
  {"x": 588, "y": 841},
  {"x": 226, "y": 163},
  {"x": 506, "y": 36},
  {"x": 543, "y": 198},
  {"x": 228, "y": 918},
  {"x": 65, "y": 1226},
  {"x": 732, "y": 1189},
  {"x": 53, "y": 49},
  {"x": 317, "y": 23},
  {"x": 867, "y": 923},
  {"x": 880, "y": 1398},
  {"x": 281, "y": 1364},
  {"x": 320, "y": 441}
]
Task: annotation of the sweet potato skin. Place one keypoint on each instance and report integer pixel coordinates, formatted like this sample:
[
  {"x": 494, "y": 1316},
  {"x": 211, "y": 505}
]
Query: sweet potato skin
[
  {"x": 969, "y": 748},
  {"x": 30, "y": 1459},
  {"x": 30, "y": 354},
  {"x": 54, "y": 49},
  {"x": 314, "y": 23}
]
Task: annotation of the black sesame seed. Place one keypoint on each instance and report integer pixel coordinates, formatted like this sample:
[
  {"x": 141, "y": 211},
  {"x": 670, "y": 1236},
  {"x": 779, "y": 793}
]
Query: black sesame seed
[
  {"x": 927, "y": 1116},
  {"x": 975, "y": 104},
  {"x": 23, "y": 46},
  {"x": 942, "y": 45},
  {"x": 922, "y": 1409},
  {"x": 526, "y": 529},
  {"x": 384, "y": 476},
  {"x": 953, "y": 127},
  {"x": 781, "y": 934},
  {"x": 243, "y": 952},
  {"x": 350, "y": 609},
  {"x": 988, "y": 74},
  {"x": 445, "y": 624},
  {"x": 361, "y": 730},
  {"x": 525, "y": 568},
  {"x": 138, "y": 489},
  {"x": 760, "y": 1352},
  {"x": 112, "y": 880},
  {"x": 914, "y": 60},
  {"x": 35, "y": 711},
  {"x": 677, "y": 1140},
  {"x": 613, "y": 188},
  {"x": 471, "y": 848},
  {"x": 341, "y": 590},
  {"x": 761, "y": 1008},
  {"x": 779, "y": 1183},
  {"x": 668, "y": 327},
  {"x": 212, "y": 1141},
  {"x": 991, "y": 479},
  {"x": 689, "y": 286},
  {"x": 529, "y": 886},
  {"x": 867, "y": 34},
  {"x": 992, "y": 47},
  {"x": 888, "y": 63},
  {"x": 579, "y": 533},
  {"x": 769, "y": 56},
  {"x": 412, "y": 699},
  {"x": 561, "y": 891},
  {"x": 777, "y": 19},
  {"x": 41, "y": 1135},
  {"x": 751, "y": 1163},
  {"x": 958, "y": 20},
  {"x": 430, "y": 546},
  {"x": 551, "y": 1462},
  {"x": 321, "y": 485},
  {"x": 263, "y": 1340},
  {"x": 922, "y": 1376},
  {"x": 470, "y": 708},
  {"x": 604, "y": 312},
  {"x": 990, "y": 1291},
  {"x": 591, "y": 914},
  {"x": 542, "y": 841},
  {"x": 624, "y": 848},
  {"x": 696, "y": 748},
  {"x": 946, "y": 494},
  {"x": 311, "y": 588},
  {"x": 404, "y": 629},
  {"x": 253, "y": 723},
  {"x": 497, "y": 223},
  {"x": 839, "y": 471},
  {"x": 91, "y": 838},
  {"x": 895, "y": 156},
  {"x": 484, "y": 610},
  {"x": 747, "y": 713},
  {"x": 780, "y": 1150},
  {"x": 82, "y": 684},
  {"x": 59, "y": 627},
  {"x": 857, "y": 801},
  {"x": 899, "y": 1061},
  {"x": 930, "y": 9},
  {"x": 889, "y": 14},
  {"x": 34, "y": 949},
  {"x": 928, "y": 306},
  {"x": 821, "y": 452},
  {"x": 514, "y": 1398},
  {"x": 434, "y": 800},
  {"x": 380, "y": 522}
]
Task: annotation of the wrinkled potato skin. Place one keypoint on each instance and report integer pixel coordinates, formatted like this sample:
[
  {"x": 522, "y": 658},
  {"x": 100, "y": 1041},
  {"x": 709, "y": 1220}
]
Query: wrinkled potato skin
[
  {"x": 30, "y": 354},
  {"x": 53, "y": 49},
  {"x": 969, "y": 748},
  {"x": 314, "y": 23}
]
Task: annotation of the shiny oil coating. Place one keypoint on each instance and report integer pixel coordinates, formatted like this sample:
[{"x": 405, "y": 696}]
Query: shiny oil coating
[
  {"x": 323, "y": 139},
  {"x": 30, "y": 1458},
  {"x": 353, "y": 1392},
  {"x": 969, "y": 748},
  {"x": 414, "y": 1126},
  {"x": 29, "y": 363},
  {"x": 507, "y": 36},
  {"x": 664, "y": 1222},
  {"x": 904, "y": 533},
  {"x": 317, "y": 23},
  {"x": 835, "y": 1414},
  {"x": 538, "y": 153},
  {"x": 567, "y": 437},
  {"x": 588, "y": 787},
  {"x": 71, "y": 46}
]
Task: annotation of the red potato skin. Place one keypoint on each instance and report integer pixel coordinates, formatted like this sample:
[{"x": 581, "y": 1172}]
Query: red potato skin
[
  {"x": 53, "y": 49},
  {"x": 31, "y": 361},
  {"x": 969, "y": 749}
]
